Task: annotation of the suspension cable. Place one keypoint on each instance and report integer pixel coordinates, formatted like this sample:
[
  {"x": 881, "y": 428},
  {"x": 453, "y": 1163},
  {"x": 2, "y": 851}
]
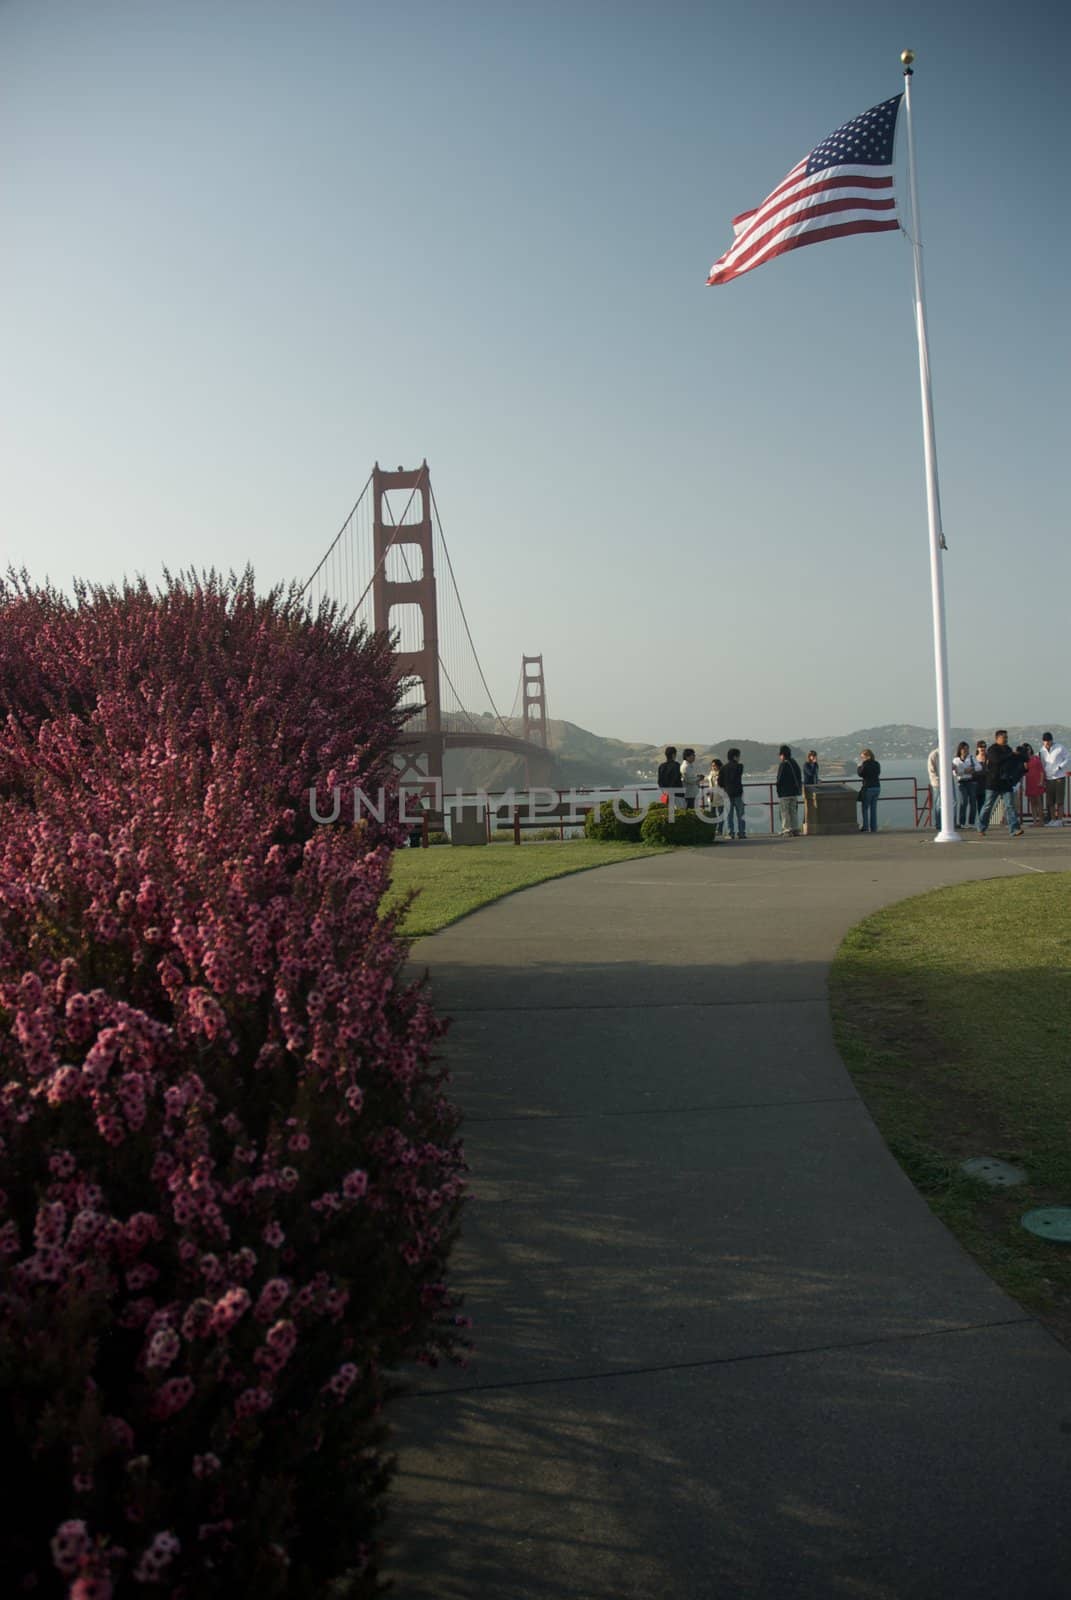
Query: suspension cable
[
  {"x": 340, "y": 532},
  {"x": 464, "y": 618},
  {"x": 515, "y": 707}
]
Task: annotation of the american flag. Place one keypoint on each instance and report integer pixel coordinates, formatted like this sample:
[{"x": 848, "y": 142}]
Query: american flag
[{"x": 844, "y": 186}]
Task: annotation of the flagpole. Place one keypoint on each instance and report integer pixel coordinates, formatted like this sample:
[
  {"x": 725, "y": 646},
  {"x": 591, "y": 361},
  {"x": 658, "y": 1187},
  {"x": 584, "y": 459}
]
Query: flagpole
[{"x": 946, "y": 834}]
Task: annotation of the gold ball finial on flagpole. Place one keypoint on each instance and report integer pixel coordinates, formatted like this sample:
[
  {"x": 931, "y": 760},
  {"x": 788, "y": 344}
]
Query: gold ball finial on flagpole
[{"x": 907, "y": 57}]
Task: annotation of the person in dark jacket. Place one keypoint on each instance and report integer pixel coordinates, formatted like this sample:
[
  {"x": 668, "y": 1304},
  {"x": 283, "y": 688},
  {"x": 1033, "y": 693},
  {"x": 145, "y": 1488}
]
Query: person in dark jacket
[
  {"x": 810, "y": 769},
  {"x": 789, "y": 789},
  {"x": 732, "y": 781},
  {"x": 1003, "y": 770},
  {"x": 669, "y": 776},
  {"x": 869, "y": 773}
]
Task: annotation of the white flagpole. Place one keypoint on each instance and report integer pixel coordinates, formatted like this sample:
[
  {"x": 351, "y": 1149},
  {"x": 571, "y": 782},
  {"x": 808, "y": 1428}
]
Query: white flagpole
[{"x": 947, "y": 832}]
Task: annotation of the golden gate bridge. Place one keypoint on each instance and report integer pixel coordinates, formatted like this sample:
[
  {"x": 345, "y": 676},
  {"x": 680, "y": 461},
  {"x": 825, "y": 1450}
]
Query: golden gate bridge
[{"x": 381, "y": 571}]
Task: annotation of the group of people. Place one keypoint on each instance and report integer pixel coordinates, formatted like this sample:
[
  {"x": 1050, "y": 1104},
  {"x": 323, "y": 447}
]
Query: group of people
[
  {"x": 990, "y": 779},
  {"x": 719, "y": 792},
  {"x": 985, "y": 784}
]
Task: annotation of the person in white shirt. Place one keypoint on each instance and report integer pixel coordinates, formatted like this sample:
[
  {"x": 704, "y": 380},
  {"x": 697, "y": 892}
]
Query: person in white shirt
[
  {"x": 933, "y": 773},
  {"x": 690, "y": 777},
  {"x": 716, "y": 798},
  {"x": 1054, "y": 759}
]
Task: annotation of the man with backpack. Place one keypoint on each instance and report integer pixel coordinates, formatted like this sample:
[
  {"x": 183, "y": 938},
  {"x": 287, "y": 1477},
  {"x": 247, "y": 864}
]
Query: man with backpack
[{"x": 1003, "y": 773}]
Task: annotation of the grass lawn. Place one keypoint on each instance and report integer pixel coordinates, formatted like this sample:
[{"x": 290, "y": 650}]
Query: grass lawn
[
  {"x": 453, "y": 881},
  {"x": 953, "y": 1014}
]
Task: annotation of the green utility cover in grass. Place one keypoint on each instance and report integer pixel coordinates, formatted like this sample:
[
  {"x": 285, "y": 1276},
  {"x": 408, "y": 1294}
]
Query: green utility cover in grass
[
  {"x": 998, "y": 1174},
  {"x": 1050, "y": 1222}
]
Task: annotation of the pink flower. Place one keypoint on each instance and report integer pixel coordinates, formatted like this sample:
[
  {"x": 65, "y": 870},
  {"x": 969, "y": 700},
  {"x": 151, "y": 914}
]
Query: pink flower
[
  {"x": 171, "y": 1397},
  {"x": 163, "y": 1347},
  {"x": 66, "y": 1084},
  {"x": 229, "y": 1309},
  {"x": 252, "y": 1401},
  {"x": 91, "y": 1586},
  {"x": 157, "y": 1558},
  {"x": 272, "y": 1297},
  {"x": 50, "y": 1225},
  {"x": 338, "y": 1387},
  {"x": 69, "y": 1544},
  {"x": 355, "y": 1185},
  {"x": 197, "y": 1320}
]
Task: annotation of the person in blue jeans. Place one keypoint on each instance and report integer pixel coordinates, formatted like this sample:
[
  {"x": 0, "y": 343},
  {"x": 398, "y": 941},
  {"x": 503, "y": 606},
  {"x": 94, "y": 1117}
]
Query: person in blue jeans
[
  {"x": 963, "y": 770},
  {"x": 732, "y": 781},
  {"x": 869, "y": 772},
  {"x": 1003, "y": 770}
]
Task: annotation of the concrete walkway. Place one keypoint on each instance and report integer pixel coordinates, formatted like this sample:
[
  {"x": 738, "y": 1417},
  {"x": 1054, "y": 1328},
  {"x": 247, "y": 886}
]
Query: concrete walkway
[{"x": 723, "y": 1347}]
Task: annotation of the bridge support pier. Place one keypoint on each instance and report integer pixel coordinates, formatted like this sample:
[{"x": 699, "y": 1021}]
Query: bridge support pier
[
  {"x": 533, "y": 709},
  {"x": 421, "y": 664}
]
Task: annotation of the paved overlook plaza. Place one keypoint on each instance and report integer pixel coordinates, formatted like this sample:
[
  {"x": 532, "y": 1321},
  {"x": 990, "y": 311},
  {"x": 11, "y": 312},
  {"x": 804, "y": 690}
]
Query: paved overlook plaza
[{"x": 723, "y": 1347}]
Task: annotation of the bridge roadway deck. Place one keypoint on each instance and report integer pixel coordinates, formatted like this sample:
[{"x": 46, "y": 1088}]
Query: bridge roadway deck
[{"x": 724, "y": 1349}]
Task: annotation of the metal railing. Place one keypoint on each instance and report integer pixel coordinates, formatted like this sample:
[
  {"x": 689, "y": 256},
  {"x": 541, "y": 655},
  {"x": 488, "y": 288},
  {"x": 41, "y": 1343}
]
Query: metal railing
[{"x": 561, "y": 809}]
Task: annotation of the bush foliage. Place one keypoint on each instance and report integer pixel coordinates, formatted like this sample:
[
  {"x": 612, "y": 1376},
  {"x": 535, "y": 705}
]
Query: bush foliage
[
  {"x": 602, "y": 823},
  {"x": 229, "y": 1175},
  {"x": 687, "y": 827}
]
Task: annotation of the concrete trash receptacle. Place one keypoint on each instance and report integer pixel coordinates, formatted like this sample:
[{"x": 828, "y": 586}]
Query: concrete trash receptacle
[
  {"x": 468, "y": 825},
  {"x": 831, "y": 808}
]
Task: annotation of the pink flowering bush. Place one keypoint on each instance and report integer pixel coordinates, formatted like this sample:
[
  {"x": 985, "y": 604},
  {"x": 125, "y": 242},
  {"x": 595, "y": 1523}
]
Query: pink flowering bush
[{"x": 229, "y": 1176}]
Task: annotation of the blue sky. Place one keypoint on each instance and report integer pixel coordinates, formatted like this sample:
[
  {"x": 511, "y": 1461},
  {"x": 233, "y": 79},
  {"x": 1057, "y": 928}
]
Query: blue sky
[{"x": 250, "y": 248}]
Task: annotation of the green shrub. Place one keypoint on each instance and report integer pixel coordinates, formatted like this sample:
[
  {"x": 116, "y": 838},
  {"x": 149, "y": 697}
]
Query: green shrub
[
  {"x": 687, "y": 827},
  {"x": 601, "y": 823},
  {"x": 436, "y": 836}
]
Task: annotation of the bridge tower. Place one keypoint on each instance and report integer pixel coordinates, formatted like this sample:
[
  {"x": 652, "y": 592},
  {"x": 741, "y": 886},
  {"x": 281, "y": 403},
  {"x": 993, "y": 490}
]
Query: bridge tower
[
  {"x": 534, "y": 700},
  {"x": 422, "y": 663}
]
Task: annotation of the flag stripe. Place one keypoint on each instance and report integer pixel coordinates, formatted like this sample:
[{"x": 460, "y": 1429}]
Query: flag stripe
[
  {"x": 797, "y": 172},
  {"x": 787, "y": 194},
  {"x": 811, "y": 236},
  {"x": 803, "y": 198},
  {"x": 842, "y": 178},
  {"x": 757, "y": 242}
]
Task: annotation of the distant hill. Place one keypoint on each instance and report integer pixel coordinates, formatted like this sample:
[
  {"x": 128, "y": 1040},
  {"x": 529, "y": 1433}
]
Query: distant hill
[
  {"x": 581, "y": 759},
  {"x": 585, "y": 760},
  {"x": 904, "y": 741}
]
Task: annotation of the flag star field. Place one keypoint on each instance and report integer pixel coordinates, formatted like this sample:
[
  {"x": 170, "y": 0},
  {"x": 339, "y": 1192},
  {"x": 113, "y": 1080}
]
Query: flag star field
[{"x": 864, "y": 141}]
